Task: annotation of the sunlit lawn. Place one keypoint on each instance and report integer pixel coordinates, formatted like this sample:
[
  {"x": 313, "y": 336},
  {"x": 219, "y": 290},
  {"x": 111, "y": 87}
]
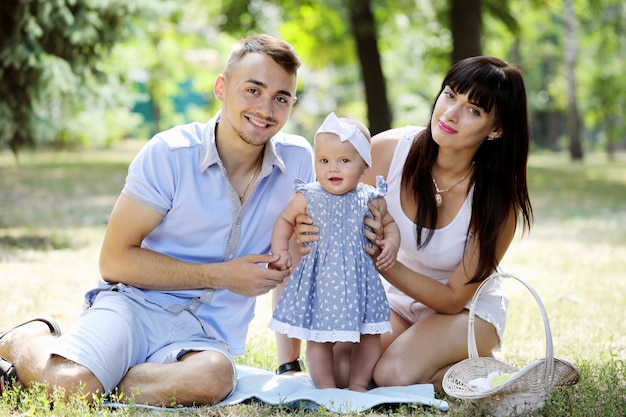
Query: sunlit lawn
[{"x": 54, "y": 207}]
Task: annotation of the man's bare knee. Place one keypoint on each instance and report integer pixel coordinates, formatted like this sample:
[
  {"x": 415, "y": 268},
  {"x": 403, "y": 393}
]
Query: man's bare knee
[
  {"x": 216, "y": 377},
  {"x": 199, "y": 378},
  {"x": 61, "y": 373}
]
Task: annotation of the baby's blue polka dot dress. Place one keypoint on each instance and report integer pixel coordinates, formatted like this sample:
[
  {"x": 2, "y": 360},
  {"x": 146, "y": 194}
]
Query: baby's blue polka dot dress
[{"x": 335, "y": 293}]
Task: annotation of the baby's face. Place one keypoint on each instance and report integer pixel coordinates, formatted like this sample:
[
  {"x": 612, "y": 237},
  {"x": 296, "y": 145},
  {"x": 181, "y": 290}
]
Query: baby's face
[{"x": 338, "y": 165}]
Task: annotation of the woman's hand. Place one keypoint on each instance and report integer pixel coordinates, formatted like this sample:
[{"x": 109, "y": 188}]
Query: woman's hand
[
  {"x": 305, "y": 232},
  {"x": 375, "y": 235}
]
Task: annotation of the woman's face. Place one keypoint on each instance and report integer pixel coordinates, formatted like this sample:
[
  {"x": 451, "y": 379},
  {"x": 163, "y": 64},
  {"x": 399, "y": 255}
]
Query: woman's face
[
  {"x": 460, "y": 124},
  {"x": 338, "y": 165}
]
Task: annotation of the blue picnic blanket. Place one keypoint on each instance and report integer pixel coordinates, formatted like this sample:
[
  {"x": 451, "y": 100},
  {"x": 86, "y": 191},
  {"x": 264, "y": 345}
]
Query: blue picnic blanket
[{"x": 255, "y": 384}]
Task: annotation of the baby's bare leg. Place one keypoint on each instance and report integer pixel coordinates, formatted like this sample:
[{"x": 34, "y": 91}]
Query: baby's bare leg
[
  {"x": 364, "y": 357},
  {"x": 319, "y": 357}
]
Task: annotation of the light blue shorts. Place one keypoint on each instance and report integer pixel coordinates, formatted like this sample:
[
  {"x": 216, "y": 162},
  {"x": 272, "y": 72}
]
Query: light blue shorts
[{"x": 122, "y": 329}]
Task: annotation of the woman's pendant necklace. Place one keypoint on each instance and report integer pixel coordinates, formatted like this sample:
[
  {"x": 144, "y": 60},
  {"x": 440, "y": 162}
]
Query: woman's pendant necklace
[
  {"x": 438, "y": 197},
  {"x": 439, "y": 191}
]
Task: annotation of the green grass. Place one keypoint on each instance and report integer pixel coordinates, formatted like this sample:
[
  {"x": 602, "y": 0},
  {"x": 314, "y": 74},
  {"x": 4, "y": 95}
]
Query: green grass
[{"x": 53, "y": 212}]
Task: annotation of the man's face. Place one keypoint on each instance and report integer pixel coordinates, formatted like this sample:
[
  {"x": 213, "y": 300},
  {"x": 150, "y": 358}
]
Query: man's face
[{"x": 257, "y": 97}]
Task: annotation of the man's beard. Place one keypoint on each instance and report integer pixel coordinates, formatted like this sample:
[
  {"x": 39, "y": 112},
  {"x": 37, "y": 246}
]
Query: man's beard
[{"x": 243, "y": 136}]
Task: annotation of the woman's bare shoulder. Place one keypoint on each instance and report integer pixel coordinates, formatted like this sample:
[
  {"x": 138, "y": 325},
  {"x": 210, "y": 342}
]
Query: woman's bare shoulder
[
  {"x": 388, "y": 135},
  {"x": 383, "y": 147}
]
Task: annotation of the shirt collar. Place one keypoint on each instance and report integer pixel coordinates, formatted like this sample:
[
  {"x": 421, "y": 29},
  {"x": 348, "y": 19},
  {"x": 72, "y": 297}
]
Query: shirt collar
[{"x": 210, "y": 156}]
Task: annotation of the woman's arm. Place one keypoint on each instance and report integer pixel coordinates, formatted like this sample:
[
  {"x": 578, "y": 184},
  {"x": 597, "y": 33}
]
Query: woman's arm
[
  {"x": 452, "y": 297},
  {"x": 390, "y": 244}
]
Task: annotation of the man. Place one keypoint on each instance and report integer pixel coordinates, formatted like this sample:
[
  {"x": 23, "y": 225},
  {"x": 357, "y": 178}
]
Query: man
[{"x": 185, "y": 250}]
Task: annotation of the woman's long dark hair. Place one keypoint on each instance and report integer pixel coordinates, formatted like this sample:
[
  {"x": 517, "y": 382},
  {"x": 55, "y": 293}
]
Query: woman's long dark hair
[{"x": 499, "y": 176}]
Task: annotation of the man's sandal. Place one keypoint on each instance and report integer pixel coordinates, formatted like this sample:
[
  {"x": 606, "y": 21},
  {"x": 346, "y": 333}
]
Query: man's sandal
[
  {"x": 8, "y": 373},
  {"x": 52, "y": 324}
]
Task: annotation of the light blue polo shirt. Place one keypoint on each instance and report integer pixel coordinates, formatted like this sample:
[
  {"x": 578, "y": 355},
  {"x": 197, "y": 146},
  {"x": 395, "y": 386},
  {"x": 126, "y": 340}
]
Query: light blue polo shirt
[{"x": 179, "y": 174}]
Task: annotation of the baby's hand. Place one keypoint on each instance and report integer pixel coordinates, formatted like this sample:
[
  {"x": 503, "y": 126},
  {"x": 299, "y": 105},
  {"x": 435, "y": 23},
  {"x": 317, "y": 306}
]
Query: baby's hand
[
  {"x": 283, "y": 263},
  {"x": 387, "y": 256}
]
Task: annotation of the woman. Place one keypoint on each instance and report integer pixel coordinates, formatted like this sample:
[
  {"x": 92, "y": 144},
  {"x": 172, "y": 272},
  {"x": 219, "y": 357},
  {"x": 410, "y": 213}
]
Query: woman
[{"x": 457, "y": 189}]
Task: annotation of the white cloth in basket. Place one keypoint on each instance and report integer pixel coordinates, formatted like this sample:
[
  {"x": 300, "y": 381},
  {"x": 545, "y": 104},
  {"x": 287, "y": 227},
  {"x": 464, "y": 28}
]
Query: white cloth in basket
[
  {"x": 481, "y": 384},
  {"x": 491, "y": 381}
]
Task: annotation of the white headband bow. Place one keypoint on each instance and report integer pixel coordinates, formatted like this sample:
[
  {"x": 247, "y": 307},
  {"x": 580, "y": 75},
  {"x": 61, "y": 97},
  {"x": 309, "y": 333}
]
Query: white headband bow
[{"x": 347, "y": 132}]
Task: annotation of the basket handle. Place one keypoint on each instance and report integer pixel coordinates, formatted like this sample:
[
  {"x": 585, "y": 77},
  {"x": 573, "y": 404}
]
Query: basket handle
[{"x": 471, "y": 335}]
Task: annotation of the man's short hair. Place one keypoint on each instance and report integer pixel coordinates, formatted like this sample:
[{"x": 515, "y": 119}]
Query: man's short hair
[{"x": 280, "y": 51}]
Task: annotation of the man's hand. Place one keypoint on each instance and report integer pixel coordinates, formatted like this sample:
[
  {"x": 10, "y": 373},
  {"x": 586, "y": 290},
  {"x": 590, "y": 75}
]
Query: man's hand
[{"x": 249, "y": 276}]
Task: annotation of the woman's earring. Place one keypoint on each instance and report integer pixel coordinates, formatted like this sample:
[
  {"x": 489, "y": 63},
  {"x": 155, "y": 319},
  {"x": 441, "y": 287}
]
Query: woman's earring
[{"x": 492, "y": 137}]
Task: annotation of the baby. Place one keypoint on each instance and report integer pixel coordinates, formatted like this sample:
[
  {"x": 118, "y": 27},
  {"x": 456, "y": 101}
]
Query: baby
[{"x": 335, "y": 293}]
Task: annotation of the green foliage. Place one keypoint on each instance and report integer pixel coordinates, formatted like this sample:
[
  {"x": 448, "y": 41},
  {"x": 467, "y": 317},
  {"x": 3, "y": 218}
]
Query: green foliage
[
  {"x": 67, "y": 65},
  {"x": 36, "y": 401},
  {"x": 237, "y": 16},
  {"x": 314, "y": 24},
  {"x": 501, "y": 11},
  {"x": 538, "y": 49},
  {"x": 49, "y": 50},
  {"x": 36, "y": 242},
  {"x": 603, "y": 24},
  {"x": 415, "y": 46}
]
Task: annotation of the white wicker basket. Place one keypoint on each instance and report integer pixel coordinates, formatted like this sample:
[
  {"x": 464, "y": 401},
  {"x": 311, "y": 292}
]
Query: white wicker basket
[{"x": 527, "y": 390}]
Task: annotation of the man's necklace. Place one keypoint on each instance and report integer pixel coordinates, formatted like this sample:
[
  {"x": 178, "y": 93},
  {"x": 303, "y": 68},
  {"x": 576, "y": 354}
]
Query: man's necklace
[
  {"x": 439, "y": 191},
  {"x": 257, "y": 169}
]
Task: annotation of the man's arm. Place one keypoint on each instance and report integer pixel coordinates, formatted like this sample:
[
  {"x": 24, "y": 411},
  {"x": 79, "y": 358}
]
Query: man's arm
[
  {"x": 122, "y": 259},
  {"x": 288, "y": 348}
]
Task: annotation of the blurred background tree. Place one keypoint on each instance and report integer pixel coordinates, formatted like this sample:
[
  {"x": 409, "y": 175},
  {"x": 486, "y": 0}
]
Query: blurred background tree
[
  {"x": 80, "y": 72},
  {"x": 50, "y": 64}
]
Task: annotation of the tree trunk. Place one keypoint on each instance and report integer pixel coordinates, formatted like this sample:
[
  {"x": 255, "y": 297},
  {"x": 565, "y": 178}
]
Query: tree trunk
[
  {"x": 465, "y": 25},
  {"x": 573, "y": 118},
  {"x": 363, "y": 29}
]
